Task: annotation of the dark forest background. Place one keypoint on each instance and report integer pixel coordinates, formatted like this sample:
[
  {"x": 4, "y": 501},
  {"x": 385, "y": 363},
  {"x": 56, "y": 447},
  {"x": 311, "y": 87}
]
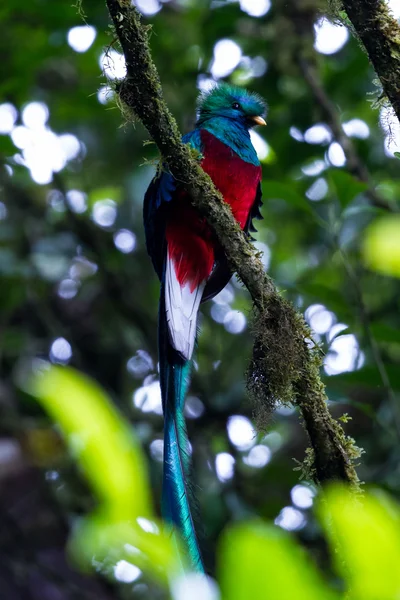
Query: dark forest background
[{"x": 78, "y": 288}]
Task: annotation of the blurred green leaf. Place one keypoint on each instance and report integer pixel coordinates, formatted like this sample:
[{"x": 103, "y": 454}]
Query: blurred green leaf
[
  {"x": 261, "y": 561},
  {"x": 116, "y": 469},
  {"x": 111, "y": 459},
  {"x": 330, "y": 297},
  {"x": 384, "y": 333},
  {"x": 364, "y": 209},
  {"x": 345, "y": 186},
  {"x": 366, "y": 535},
  {"x": 367, "y": 376},
  {"x": 287, "y": 192},
  {"x": 142, "y": 543},
  {"x": 105, "y": 193},
  {"x": 7, "y": 147},
  {"x": 382, "y": 245}
]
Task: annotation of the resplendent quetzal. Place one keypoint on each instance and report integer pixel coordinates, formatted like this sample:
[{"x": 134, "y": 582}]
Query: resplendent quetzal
[{"x": 192, "y": 268}]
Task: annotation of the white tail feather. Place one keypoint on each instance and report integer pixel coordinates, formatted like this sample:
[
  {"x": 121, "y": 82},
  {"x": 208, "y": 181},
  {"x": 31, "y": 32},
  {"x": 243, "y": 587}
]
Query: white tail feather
[{"x": 181, "y": 308}]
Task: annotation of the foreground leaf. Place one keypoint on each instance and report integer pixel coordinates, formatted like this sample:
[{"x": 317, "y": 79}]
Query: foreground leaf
[
  {"x": 261, "y": 562},
  {"x": 366, "y": 535},
  {"x": 100, "y": 440}
]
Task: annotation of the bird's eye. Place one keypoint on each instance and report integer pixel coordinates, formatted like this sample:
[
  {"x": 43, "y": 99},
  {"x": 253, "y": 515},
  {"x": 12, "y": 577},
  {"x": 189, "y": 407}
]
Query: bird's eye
[{"x": 236, "y": 105}]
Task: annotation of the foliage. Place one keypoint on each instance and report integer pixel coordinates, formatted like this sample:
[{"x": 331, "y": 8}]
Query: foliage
[
  {"x": 255, "y": 560},
  {"x": 112, "y": 461},
  {"x": 382, "y": 246}
]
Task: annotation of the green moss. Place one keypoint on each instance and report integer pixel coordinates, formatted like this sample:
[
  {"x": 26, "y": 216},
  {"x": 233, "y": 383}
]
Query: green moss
[
  {"x": 276, "y": 361},
  {"x": 80, "y": 10},
  {"x": 345, "y": 418},
  {"x": 307, "y": 468}
]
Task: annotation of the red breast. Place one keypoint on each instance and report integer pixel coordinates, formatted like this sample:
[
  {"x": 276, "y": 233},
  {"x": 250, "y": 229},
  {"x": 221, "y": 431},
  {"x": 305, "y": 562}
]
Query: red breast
[{"x": 190, "y": 241}]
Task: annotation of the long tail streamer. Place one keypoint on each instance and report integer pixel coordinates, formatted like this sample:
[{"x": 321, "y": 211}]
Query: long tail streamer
[{"x": 176, "y": 493}]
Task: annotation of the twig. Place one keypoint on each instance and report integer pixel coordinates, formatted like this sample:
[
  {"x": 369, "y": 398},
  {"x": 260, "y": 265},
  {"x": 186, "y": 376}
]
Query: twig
[
  {"x": 283, "y": 365},
  {"x": 354, "y": 162},
  {"x": 376, "y": 354}
]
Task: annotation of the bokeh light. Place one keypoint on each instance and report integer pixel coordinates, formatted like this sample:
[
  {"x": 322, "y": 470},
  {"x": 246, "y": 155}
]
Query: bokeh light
[
  {"x": 356, "y": 128},
  {"x": 125, "y": 241},
  {"x": 77, "y": 201},
  {"x": 255, "y": 8},
  {"x": 195, "y": 586},
  {"x": 241, "y": 432},
  {"x": 317, "y": 190},
  {"x": 260, "y": 145},
  {"x": 394, "y": 6},
  {"x": 302, "y": 496},
  {"x": 60, "y": 351},
  {"x": 290, "y": 519},
  {"x": 148, "y": 7},
  {"x": 344, "y": 355},
  {"x": 329, "y": 38},
  {"x": 258, "y": 457},
  {"x": 81, "y": 37},
  {"x": 224, "y": 466},
  {"x": 227, "y": 55},
  {"x": 104, "y": 212},
  {"x": 318, "y": 134},
  {"x": 148, "y": 397},
  {"x": 336, "y": 155},
  {"x": 113, "y": 65},
  {"x": 126, "y": 572}
]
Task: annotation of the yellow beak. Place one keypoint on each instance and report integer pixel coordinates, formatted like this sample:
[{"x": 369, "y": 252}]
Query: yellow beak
[{"x": 258, "y": 120}]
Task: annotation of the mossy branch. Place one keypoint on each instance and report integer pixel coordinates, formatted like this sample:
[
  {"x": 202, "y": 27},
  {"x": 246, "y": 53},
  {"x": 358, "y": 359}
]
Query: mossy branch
[
  {"x": 379, "y": 32},
  {"x": 284, "y": 366}
]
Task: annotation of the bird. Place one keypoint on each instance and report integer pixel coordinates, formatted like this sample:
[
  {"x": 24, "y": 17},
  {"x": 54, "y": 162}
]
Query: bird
[{"x": 192, "y": 269}]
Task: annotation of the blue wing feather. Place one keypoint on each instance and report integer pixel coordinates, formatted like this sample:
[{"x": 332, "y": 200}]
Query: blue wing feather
[{"x": 159, "y": 193}]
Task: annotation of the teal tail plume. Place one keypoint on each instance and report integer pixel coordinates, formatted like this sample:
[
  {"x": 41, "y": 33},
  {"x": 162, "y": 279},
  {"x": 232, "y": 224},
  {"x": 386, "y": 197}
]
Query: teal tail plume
[{"x": 176, "y": 493}]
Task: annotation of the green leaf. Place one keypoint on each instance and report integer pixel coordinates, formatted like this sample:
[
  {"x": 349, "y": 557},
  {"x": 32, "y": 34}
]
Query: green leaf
[
  {"x": 366, "y": 535},
  {"x": 396, "y": 154},
  {"x": 345, "y": 186},
  {"x": 105, "y": 193},
  {"x": 111, "y": 459},
  {"x": 384, "y": 333},
  {"x": 368, "y": 376},
  {"x": 365, "y": 209},
  {"x": 7, "y": 147},
  {"x": 284, "y": 191},
  {"x": 327, "y": 295},
  {"x": 115, "y": 470},
  {"x": 381, "y": 248},
  {"x": 258, "y": 561}
]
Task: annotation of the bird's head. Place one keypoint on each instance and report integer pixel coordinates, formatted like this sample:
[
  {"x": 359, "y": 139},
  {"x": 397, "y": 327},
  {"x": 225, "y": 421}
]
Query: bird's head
[{"x": 233, "y": 103}]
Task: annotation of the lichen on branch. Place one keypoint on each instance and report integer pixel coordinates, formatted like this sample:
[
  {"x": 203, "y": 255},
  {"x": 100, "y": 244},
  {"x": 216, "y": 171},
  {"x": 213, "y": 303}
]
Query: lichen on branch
[{"x": 285, "y": 364}]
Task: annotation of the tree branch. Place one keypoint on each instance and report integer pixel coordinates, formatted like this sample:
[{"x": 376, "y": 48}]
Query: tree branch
[
  {"x": 330, "y": 112},
  {"x": 284, "y": 366},
  {"x": 380, "y": 34}
]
